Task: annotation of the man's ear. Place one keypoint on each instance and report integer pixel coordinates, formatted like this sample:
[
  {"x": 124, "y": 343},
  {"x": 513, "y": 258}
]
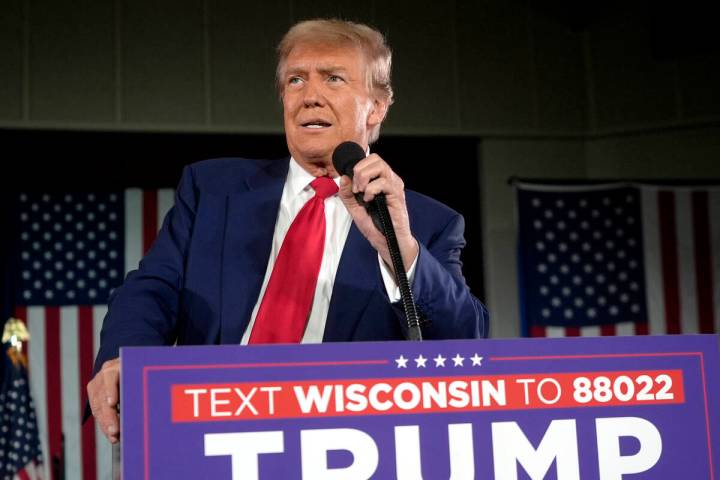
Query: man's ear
[{"x": 378, "y": 111}]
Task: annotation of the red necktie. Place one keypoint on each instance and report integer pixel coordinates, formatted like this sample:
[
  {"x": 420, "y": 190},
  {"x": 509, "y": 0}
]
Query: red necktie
[{"x": 285, "y": 307}]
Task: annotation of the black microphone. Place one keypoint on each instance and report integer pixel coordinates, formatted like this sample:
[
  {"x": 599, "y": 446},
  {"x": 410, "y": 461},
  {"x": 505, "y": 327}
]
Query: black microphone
[{"x": 345, "y": 157}]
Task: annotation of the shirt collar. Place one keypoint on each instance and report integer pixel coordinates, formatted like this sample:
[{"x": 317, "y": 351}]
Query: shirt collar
[{"x": 299, "y": 179}]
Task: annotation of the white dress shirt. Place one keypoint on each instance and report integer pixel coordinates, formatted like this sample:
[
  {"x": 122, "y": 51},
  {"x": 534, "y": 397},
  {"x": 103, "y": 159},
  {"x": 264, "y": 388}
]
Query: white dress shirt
[{"x": 296, "y": 192}]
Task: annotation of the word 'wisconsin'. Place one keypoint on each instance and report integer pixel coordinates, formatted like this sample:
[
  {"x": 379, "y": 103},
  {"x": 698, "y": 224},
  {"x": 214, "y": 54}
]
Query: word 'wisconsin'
[{"x": 317, "y": 398}]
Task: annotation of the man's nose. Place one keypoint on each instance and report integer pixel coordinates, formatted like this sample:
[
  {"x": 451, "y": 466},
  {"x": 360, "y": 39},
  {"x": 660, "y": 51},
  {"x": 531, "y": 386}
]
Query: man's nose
[{"x": 312, "y": 94}]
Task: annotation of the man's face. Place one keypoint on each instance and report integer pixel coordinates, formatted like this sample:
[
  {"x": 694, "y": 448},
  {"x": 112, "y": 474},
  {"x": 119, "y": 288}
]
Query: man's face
[{"x": 326, "y": 102}]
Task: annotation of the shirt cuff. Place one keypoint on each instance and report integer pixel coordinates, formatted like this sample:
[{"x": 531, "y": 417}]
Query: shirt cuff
[{"x": 392, "y": 289}]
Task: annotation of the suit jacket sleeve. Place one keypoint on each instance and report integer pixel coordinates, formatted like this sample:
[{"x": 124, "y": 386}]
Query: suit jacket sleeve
[
  {"x": 144, "y": 310},
  {"x": 441, "y": 294}
]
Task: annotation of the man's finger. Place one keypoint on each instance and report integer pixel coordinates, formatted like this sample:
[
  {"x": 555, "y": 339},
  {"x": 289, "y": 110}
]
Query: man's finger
[
  {"x": 367, "y": 170},
  {"x": 103, "y": 394},
  {"x": 375, "y": 187},
  {"x": 111, "y": 380},
  {"x": 345, "y": 187},
  {"x": 106, "y": 418}
]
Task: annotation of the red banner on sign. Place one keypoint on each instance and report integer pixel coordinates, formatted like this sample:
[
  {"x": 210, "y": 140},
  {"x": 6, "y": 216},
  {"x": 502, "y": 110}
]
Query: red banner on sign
[{"x": 378, "y": 396}]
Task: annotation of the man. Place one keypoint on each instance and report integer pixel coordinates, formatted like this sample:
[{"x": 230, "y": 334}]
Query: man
[{"x": 282, "y": 251}]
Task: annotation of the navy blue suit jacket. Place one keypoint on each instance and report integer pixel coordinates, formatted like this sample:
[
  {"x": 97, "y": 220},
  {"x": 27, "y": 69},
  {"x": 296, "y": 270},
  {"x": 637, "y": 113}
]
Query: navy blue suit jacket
[{"x": 199, "y": 282}]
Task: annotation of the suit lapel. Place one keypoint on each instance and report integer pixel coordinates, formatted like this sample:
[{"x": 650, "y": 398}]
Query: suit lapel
[
  {"x": 355, "y": 282},
  {"x": 250, "y": 225}
]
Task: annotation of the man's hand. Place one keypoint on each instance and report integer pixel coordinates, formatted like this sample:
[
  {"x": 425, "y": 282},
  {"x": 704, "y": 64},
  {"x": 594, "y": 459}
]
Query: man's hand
[
  {"x": 103, "y": 394},
  {"x": 372, "y": 175}
]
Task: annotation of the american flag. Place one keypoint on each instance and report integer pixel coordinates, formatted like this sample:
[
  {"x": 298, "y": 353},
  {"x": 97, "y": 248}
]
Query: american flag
[
  {"x": 618, "y": 259},
  {"x": 20, "y": 456},
  {"x": 74, "y": 248}
]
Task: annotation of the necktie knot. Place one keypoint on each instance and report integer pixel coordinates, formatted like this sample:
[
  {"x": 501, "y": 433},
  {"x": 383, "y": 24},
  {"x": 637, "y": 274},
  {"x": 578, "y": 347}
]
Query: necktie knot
[{"x": 324, "y": 187}]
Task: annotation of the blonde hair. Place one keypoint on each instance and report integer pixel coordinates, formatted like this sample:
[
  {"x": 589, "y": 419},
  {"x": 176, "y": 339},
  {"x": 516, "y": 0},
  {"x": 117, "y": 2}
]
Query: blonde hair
[{"x": 378, "y": 57}]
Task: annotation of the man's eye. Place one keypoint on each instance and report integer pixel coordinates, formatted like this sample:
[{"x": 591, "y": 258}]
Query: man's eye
[
  {"x": 335, "y": 78},
  {"x": 294, "y": 80}
]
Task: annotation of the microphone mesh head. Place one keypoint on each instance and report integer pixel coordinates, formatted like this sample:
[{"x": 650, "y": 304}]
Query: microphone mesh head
[{"x": 346, "y": 156}]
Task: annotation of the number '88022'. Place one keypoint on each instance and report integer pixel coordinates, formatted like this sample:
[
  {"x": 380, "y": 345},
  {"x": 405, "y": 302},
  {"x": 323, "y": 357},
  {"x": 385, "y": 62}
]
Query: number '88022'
[{"x": 623, "y": 388}]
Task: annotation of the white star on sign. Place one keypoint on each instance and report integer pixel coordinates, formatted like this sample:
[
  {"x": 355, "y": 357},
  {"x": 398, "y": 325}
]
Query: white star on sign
[
  {"x": 458, "y": 360},
  {"x": 420, "y": 361},
  {"x": 401, "y": 362},
  {"x": 439, "y": 361},
  {"x": 477, "y": 360}
]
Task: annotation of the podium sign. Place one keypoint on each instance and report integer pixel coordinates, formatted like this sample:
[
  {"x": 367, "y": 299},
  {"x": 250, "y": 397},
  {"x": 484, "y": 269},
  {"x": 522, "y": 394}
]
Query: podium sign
[{"x": 583, "y": 408}]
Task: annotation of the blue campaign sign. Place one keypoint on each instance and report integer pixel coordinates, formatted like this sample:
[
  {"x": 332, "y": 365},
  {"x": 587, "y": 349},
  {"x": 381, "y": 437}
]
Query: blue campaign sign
[{"x": 566, "y": 409}]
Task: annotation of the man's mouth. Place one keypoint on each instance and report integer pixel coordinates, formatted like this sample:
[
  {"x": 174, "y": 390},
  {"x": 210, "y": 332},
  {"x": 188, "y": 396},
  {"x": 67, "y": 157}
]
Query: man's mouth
[{"x": 316, "y": 124}]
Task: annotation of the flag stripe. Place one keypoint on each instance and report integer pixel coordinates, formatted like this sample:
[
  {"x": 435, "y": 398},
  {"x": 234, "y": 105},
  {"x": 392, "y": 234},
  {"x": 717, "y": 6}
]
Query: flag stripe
[
  {"x": 166, "y": 198},
  {"x": 703, "y": 261},
  {"x": 621, "y": 328},
  {"x": 98, "y": 312},
  {"x": 572, "y": 331},
  {"x": 590, "y": 331},
  {"x": 625, "y": 328},
  {"x": 103, "y": 450},
  {"x": 36, "y": 356},
  {"x": 85, "y": 340},
  {"x": 150, "y": 218},
  {"x": 69, "y": 381},
  {"x": 54, "y": 391},
  {"x": 30, "y": 472},
  {"x": 537, "y": 331},
  {"x": 607, "y": 330},
  {"x": 686, "y": 262},
  {"x": 652, "y": 255},
  {"x": 22, "y": 475},
  {"x": 555, "y": 332},
  {"x": 669, "y": 259},
  {"x": 133, "y": 229}
]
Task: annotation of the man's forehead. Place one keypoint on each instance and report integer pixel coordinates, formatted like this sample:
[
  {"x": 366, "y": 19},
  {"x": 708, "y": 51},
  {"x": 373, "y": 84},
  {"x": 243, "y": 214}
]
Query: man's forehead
[{"x": 324, "y": 57}]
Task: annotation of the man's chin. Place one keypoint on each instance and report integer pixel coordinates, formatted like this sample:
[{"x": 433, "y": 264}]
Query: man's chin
[
  {"x": 316, "y": 153},
  {"x": 314, "y": 158}
]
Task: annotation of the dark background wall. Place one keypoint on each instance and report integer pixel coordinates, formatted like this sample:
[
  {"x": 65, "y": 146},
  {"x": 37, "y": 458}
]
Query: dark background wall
[
  {"x": 490, "y": 88},
  {"x": 460, "y": 66}
]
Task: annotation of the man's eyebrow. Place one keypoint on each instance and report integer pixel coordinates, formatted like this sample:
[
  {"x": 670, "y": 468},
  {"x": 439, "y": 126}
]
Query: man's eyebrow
[
  {"x": 295, "y": 70},
  {"x": 325, "y": 69}
]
